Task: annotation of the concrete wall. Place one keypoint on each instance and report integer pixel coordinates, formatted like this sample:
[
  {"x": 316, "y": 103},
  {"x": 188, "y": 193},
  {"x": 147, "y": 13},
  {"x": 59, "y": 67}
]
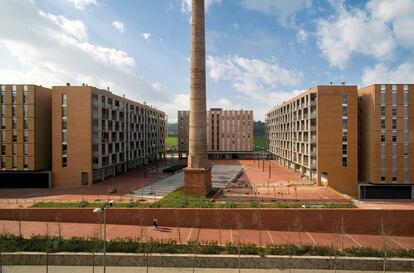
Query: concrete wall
[
  {"x": 207, "y": 261},
  {"x": 355, "y": 221}
]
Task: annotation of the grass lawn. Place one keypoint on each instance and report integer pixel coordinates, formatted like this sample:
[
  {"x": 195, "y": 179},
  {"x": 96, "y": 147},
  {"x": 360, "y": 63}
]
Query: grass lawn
[
  {"x": 172, "y": 141},
  {"x": 260, "y": 142}
]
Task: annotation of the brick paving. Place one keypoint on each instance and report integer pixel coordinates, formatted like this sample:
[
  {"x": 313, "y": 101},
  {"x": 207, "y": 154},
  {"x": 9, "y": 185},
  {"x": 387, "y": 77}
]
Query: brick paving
[{"x": 184, "y": 235}]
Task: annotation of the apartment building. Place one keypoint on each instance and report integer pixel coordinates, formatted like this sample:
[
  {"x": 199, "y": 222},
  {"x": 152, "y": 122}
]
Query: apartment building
[
  {"x": 316, "y": 134},
  {"x": 229, "y": 133},
  {"x": 386, "y": 142},
  {"x": 25, "y": 138},
  {"x": 97, "y": 134}
]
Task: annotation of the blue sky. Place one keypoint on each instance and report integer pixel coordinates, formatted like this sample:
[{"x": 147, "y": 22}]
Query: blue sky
[{"x": 259, "y": 52}]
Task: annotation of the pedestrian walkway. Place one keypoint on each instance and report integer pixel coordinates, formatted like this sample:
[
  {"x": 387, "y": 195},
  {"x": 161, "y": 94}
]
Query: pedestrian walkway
[{"x": 222, "y": 236}]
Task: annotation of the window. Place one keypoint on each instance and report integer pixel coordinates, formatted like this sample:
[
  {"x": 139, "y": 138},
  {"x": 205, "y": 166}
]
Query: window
[
  {"x": 64, "y": 137},
  {"x": 3, "y": 123},
  {"x": 14, "y": 124},
  {"x": 64, "y": 162},
  {"x": 64, "y": 124},
  {"x": 14, "y": 110},
  {"x": 25, "y": 97},
  {"x": 25, "y": 136},
  {"x": 3, "y": 110},
  {"x": 14, "y": 150},
  {"x": 14, "y": 136},
  {"x": 394, "y": 138},
  {"x": 344, "y": 136},
  {"x": 26, "y": 149},
  {"x": 344, "y": 124},
  {"x": 3, "y": 136},
  {"x": 26, "y": 162},
  {"x": 26, "y": 124},
  {"x": 14, "y": 88},
  {"x": 344, "y": 162},
  {"x": 382, "y": 137},
  {"x": 394, "y": 178},
  {"x": 382, "y": 178},
  {"x": 383, "y": 110},
  {"x": 394, "y": 124},
  {"x": 394, "y": 111},
  {"x": 344, "y": 111},
  {"x": 3, "y": 163},
  {"x": 25, "y": 88},
  {"x": 344, "y": 99},
  {"x": 64, "y": 99},
  {"x": 3, "y": 149},
  {"x": 344, "y": 149},
  {"x": 382, "y": 123},
  {"x": 25, "y": 110},
  {"x": 14, "y": 162},
  {"x": 64, "y": 149}
]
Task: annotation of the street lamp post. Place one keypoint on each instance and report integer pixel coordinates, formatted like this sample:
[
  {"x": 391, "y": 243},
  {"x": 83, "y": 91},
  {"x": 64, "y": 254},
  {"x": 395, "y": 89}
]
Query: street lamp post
[{"x": 102, "y": 211}]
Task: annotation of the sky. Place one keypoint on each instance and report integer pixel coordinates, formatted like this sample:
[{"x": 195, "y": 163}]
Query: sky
[{"x": 259, "y": 53}]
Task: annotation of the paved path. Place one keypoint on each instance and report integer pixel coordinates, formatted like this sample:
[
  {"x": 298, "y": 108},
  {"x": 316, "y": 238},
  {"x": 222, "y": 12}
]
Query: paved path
[
  {"x": 183, "y": 235},
  {"x": 86, "y": 269}
]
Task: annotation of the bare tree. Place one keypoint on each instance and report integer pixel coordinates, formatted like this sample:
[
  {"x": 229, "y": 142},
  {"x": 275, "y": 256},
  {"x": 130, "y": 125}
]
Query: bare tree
[
  {"x": 257, "y": 220},
  {"x": 20, "y": 222},
  {"x": 141, "y": 217},
  {"x": 219, "y": 219},
  {"x": 57, "y": 220},
  {"x": 197, "y": 226},
  {"x": 239, "y": 223},
  {"x": 177, "y": 222},
  {"x": 385, "y": 245},
  {"x": 298, "y": 227}
]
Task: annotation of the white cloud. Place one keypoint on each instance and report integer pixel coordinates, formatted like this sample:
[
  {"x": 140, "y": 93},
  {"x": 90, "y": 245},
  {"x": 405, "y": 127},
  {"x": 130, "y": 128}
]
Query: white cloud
[
  {"x": 82, "y": 4},
  {"x": 382, "y": 74},
  {"x": 302, "y": 36},
  {"x": 56, "y": 50},
  {"x": 284, "y": 10},
  {"x": 186, "y": 5},
  {"x": 374, "y": 30},
  {"x": 146, "y": 36},
  {"x": 118, "y": 26},
  {"x": 156, "y": 86},
  {"x": 252, "y": 77},
  {"x": 74, "y": 28}
]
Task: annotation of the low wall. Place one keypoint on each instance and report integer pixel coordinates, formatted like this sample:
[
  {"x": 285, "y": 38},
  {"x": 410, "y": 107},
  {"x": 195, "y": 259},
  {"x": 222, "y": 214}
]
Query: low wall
[
  {"x": 208, "y": 261},
  {"x": 355, "y": 221}
]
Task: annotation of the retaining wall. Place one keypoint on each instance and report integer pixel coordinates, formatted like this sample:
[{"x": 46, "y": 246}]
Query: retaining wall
[
  {"x": 355, "y": 221},
  {"x": 208, "y": 261}
]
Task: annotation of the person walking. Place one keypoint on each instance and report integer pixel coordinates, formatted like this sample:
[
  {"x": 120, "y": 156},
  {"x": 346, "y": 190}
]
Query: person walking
[{"x": 155, "y": 224}]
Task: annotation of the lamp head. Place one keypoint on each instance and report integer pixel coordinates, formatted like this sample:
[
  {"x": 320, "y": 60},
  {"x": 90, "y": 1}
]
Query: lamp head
[{"x": 110, "y": 203}]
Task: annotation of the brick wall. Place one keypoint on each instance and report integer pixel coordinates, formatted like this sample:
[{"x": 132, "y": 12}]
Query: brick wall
[{"x": 355, "y": 221}]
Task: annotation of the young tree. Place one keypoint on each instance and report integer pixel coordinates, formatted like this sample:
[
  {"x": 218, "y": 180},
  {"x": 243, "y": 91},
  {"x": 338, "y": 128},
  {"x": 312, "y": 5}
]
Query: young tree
[
  {"x": 239, "y": 224},
  {"x": 257, "y": 220},
  {"x": 219, "y": 219},
  {"x": 177, "y": 222}
]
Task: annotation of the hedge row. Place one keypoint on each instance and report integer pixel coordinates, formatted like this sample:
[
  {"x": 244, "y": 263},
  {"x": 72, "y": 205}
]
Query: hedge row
[{"x": 13, "y": 243}]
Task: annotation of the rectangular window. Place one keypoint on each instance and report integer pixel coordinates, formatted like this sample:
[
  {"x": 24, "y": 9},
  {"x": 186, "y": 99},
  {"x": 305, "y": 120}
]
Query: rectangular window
[
  {"x": 3, "y": 136},
  {"x": 14, "y": 162},
  {"x": 64, "y": 149},
  {"x": 382, "y": 149},
  {"x": 25, "y": 136},
  {"x": 344, "y": 162},
  {"x": 3, "y": 149},
  {"x": 394, "y": 138},
  {"x": 344, "y": 99},
  {"x": 64, "y": 99},
  {"x": 344, "y": 111},
  {"x": 382, "y": 137},
  {"x": 25, "y": 110},
  {"x": 3, "y": 163},
  {"x": 3, "y": 123},
  {"x": 64, "y": 162},
  {"x": 382, "y": 123},
  {"x": 14, "y": 111},
  {"x": 394, "y": 124},
  {"x": 383, "y": 110},
  {"x": 25, "y": 88},
  {"x": 394, "y": 111},
  {"x": 382, "y": 178},
  {"x": 14, "y": 150},
  {"x": 14, "y": 123},
  {"x": 383, "y": 162},
  {"x": 64, "y": 137},
  {"x": 3, "y": 110},
  {"x": 25, "y": 123},
  {"x": 14, "y": 136},
  {"x": 14, "y": 88},
  {"x": 25, "y": 162},
  {"x": 344, "y": 137},
  {"x": 344, "y": 124},
  {"x": 64, "y": 124},
  {"x": 25, "y": 97},
  {"x": 26, "y": 149},
  {"x": 344, "y": 149}
]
